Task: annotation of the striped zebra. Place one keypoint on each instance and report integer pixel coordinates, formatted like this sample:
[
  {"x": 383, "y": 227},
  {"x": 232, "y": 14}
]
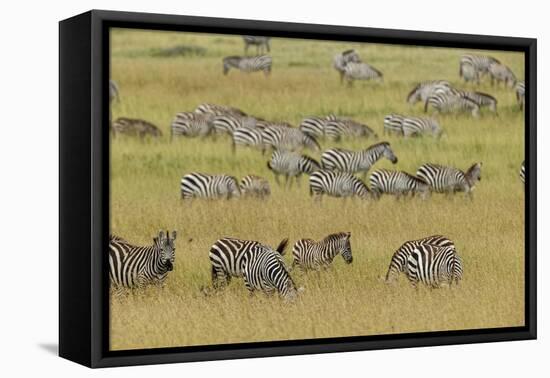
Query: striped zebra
[
  {"x": 227, "y": 256},
  {"x": 501, "y": 73},
  {"x": 393, "y": 124},
  {"x": 113, "y": 91},
  {"x": 217, "y": 110},
  {"x": 265, "y": 270},
  {"x": 340, "y": 61},
  {"x": 199, "y": 185},
  {"x": 520, "y": 94},
  {"x": 343, "y": 160},
  {"x": 361, "y": 71},
  {"x": 398, "y": 183},
  {"x": 434, "y": 266},
  {"x": 522, "y": 172},
  {"x": 337, "y": 129},
  {"x": 254, "y": 186},
  {"x": 288, "y": 139},
  {"x": 452, "y": 103},
  {"x": 135, "y": 127},
  {"x": 398, "y": 263},
  {"x": 315, "y": 126},
  {"x": 259, "y": 42},
  {"x": 248, "y": 64},
  {"x": 481, "y": 99},
  {"x": 471, "y": 66},
  {"x": 415, "y": 126},
  {"x": 424, "y": 90},
  {"x": 191, "y": 124},
  {"x": 292, "y": 165},
  {"x": 131, "y": 266},
  {"x": 337, "y": 184},
  {"x": 248, "y": 136},
  {"x": 444, "y": 179},
  {"x": 228, "y": 123},
  {"x": 311, "y": 254}
]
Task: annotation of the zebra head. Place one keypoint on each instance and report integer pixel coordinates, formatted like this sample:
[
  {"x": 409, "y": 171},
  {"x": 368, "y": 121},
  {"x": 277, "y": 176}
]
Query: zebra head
[
  {"x": 473, "y": 175},
  {"x": 388, "y": 153},
  {"x": 345, "y": 248},
  {"x": 233, "y": 187},
  {"x": 414, "y": 95},
  {"x": 167, "y": 247}
]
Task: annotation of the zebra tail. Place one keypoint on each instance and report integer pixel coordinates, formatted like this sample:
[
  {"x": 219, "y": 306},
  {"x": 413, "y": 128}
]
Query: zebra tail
[
  {"x": 426, "y": 104},
  {"x": 282, "y": 246}
]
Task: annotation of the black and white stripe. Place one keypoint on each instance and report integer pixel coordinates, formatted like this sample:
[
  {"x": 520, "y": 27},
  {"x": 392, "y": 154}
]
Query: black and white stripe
[
  {"x": 261, "y": 43},
  {"x": 249, "y": 137},
  {"x": 311, "y": 254},
  {"x": 315, "y": 126},
  {"x": 131, "y": 266},
  {"x": 340, "y": 61},
  {"x": 444, "y": 179},
  {"x": 415, "y": 126},
  {"x": 361, "y": 71},
  {"x": 502, "y": 74},
  {"x": 337, "y": 184},
  {"x": 113, "y": 91},
  {"x": 191, "y": 124},
  {"x": 481, "y": 99},
  {"x": 337, "y": 129},
  {"x": 254, "y": 186},
  {"x": 393, "y": 124},
  {"x": 227, "y": 123},
  {"x": 135, "y": 127},
  {"x": 216, "y": 109},
  {"x": 434, "y": 266},
  {"x": 520, "y": 94},
  {"x": 199, "y": 185},
  {"x": 248, "y": 64},
  {"x": 471, "y": 66},
  {"x": 288, "y": 139},
  {"x": 356, "y": 161},
  {"x": 291, "y": 165},
  {"x": 424, "y": 90},
  {"x": 399, "y": 183},
  {"x": 452, "y": 102},
  {"x": 522, "y": 172}
]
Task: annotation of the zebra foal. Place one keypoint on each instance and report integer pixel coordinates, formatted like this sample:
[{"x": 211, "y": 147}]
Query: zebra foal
[{"x": 311, "y": 254}]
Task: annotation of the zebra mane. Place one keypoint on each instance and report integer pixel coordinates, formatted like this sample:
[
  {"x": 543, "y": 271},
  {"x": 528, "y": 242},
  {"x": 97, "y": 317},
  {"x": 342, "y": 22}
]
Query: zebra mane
[
  {"x": 415, "y": 178},
  {"x": 114, "y": 238},
  {"x": 347, "y": 52},
  {"x": 376, "y": 145},
  {"x": 337, "y": 235},
  {"x": 483, "y": 94}
]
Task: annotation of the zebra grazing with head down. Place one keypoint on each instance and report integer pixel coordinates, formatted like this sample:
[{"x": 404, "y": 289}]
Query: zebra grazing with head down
[
  {"x": 135, "y": 127},
  {"x": 199, "y": 185},
  {"x": 310, "y": 254},
  {"x": 434, "y": 266},
  {"x": 265, "y": 270},
  {"x": 452, "y": 102},
  {"x": 393, "y": 124},
  {"x": 191, "y": 124},
  {"x": 522, "y": 172},
  {"x": 343, "y": 160},
  {"x": 248, "y": 64},
  {"x": 315, "y": 126},
  {"x": 217, "y": 110},
  {"x": 481, "y": 99},
  {"x": 292, "y": 165},
  {"x": 398, "y": 183},
  {"x": 501, "y": 73},
  {"x": 132, "y": 266},
  {"x": 398, "y": 263},
  {"x": 341, "y": 60},
  {"x": 228, "y": 123},
  {"x": 361, "y": 71},
  {"x": 416, "y": 126},
  {"x": 254, "y": 186},
  {"x": 472, "y": 66},
  {"x": 259, "y": 42},
  {"x": 227, "y": 256},
  {"x": 444, "y": 179},
  {"x": 288, "y": 139},
  {"x": 520, "y": 94},
  {"x": 248, "y": 136},
  {"x": 337, "y": 184},
  {"x": 113, "y": 91},
  {"x": 424, "y": 90},
  {"x": 337, "y": 129}
]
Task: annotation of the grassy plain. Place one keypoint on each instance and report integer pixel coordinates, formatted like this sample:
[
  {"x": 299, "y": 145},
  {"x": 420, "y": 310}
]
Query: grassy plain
[{"x": 348, "y": 299}]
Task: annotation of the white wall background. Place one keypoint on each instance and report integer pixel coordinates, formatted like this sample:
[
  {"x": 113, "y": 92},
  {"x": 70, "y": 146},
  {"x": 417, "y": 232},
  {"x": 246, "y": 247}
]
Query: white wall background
[{"x": 29, "y": 185}]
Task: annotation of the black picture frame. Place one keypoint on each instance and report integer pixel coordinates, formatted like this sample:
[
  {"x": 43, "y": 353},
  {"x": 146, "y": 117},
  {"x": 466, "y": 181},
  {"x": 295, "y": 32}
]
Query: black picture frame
[{"x": 84, "y": 187}]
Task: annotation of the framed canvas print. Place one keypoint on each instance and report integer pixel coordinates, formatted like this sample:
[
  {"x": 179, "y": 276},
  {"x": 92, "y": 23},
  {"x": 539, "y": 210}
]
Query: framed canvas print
[{"x": 234, "y": 188}]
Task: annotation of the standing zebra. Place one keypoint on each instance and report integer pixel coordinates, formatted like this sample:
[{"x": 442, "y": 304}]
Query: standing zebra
[
  {"x": 292, "y": 165},
  {"x": 199, "y": 185},
  {"x": 259, "y": 42},
  {"x": 415, "y": 126},
  {"x": 113, "y": 91},
  {"x": 191, "y": 124},
  {"x": 398, "y": 183},
  {"x": 361, "y": 71},
  {"x": 399, "y": 259},
  {"x": 522, "y": 172},
  {"x": 310, "y": 254},
  {"x": 248, "y": 136},
  {"x": 288, "y": 139},
  {"x": 132, "y": 266},
  {"x": 216, "y": 110},
  {"x": 337, "y": 184},
  {"x": 424, "y": 90},
  {"x": 254, "y": 186},
  {"x": 356, "y": 161},
  {"x": 228, "y": 123},
  {"x": 135, "y": 127},
  {"x": 337, "y": 129},
  {"x": 472, "y": 66},
  {"x": 265, "y": 270},
  {"x": 315, "y": 126},
  {"x": 481, "y": 99},
  {"x": 434, "y": 266},
  {"x": 226, "y": 257},
  {"x": 501, "y": 73},
  {"x": 444, "y": 179},
  {"x": 520, "y": 94},
  {"x": 341, "y": 60},
  {"x": 248, "y": 64},
  {"x": 393, "y": 124},
  {"x": 452, "y": 102}
]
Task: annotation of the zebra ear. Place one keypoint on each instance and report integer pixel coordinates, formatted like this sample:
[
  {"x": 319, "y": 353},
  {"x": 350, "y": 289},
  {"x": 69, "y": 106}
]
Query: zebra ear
[
  {"x": 161, "y": 235},
  {"x": 174, "y": 235},
  {"x": 348, "y": 234}
]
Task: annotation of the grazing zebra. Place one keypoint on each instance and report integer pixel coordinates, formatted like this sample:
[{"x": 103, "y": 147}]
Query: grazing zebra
[
  {"x": 315, "y": 126},
  {"x": 341, "y": 60},
  {"x": 217, "y": 110},
  {"x": 501, "y": 73},
  {"x": 259, "y": 42},
  {"x": 132, "y": 266},
  {"x": 192, "y": 124},
  {"x": 337, "y": 184},
  {"x": 434, "y": 266},
  {"x": 393, "y": 123},
  {"x": 265, "y": 270},
  {"x": 291, "y": 164},
  {"x": 471, "y": 66},
  {"x": 288, "y": 139},
  {"x": 424, "y": 90},
  {"x": 356, "y": 161},
  {"x": 248, "y": 136},
  {"x": 228, "y": 123},
  {"x": 399, "y": 259},
  {"x": 444, "y": 179},
  {"x": 520, "y": 94},
  {"x": 361, "y": 71},
  {"x": 337, "y": 129},
  {"x": 414, "y": 126},
  {"x": 199, "y": 185},
  {"x": 452, "y": 102},
  {"x": 481, "y": 99},
  {"x": 254, "y": 186},
  {"x": 135, "y": 127},
  {"x": 522, "y": 172},
  {"x": 248, "y": 64},
  {"x": 227, "y": 255},
  {"x": 113, "y": 91},
  {"x": 399, "y": 183},
  {"x": 310, "y": 254}
]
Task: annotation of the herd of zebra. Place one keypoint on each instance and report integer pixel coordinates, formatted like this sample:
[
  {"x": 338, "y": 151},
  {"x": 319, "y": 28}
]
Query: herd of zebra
[{"x": 432, "y": 261}]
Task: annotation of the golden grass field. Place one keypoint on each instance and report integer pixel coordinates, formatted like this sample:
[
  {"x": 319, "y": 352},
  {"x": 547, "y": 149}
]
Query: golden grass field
[{"x": 346, "y": 300}]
